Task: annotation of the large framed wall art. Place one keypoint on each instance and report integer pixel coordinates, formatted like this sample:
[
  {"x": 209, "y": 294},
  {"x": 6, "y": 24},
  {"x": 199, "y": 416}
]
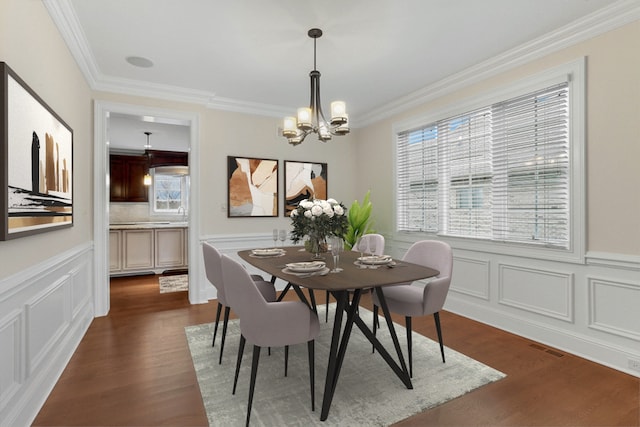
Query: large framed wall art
[
  {"x": 303, "y": 180},
  {"x": 36, "y": 178},
  {"x": 252, "y": 187}
]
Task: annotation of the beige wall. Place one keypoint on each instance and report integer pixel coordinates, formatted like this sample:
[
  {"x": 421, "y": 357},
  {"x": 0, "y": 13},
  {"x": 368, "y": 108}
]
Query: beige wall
[
  {"x": 225, "y": 133},
  {"x": 32, "y": 46},
  {"x": 613, "y": 138}
]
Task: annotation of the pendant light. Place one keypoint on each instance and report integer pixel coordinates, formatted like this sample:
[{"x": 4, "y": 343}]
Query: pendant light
[{"x": 147, "y": 177}]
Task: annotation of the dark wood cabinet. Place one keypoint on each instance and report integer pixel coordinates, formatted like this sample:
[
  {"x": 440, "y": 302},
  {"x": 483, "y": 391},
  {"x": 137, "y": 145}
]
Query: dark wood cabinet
[{"x": 126, "y": 178}]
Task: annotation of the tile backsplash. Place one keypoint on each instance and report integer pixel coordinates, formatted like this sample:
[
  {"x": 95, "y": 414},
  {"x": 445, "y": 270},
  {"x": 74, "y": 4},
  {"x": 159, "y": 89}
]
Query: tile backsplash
[{"x": 132, "y": 212}]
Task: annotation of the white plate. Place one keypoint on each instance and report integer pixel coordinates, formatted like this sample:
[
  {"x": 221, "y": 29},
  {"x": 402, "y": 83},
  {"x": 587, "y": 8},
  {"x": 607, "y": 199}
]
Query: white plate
[
  {"x": 322, "y": 272},
  {"x": 375, "y": 259},
  {"x": 306, "y": 267},
  {"x": 267, "y": 252}
]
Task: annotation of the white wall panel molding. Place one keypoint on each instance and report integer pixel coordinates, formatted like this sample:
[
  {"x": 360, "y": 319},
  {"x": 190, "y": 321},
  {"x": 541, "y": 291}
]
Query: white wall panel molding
[
  {"x": 612, "y": 260},
  {"x": 545, "y": 292},
  {"x": 614, "y": 307},
  {"x": 17, "y": 283},
  {"x": 49, "y": 307},
  {"x": 11, "y": 357},
  {"x": 570, "y": 340},
  {"x": 47, "y": 317},
  {"x": 471, "y": 277}
]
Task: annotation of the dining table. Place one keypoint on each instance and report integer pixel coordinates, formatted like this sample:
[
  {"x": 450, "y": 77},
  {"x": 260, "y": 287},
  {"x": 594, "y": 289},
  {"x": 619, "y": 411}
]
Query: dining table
[{"x": 346, "y": 287}]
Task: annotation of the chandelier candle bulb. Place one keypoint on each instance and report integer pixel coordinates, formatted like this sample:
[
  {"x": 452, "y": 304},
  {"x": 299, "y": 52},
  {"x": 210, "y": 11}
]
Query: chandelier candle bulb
[
  {"x": 289, "y": 129},
  {"x": 338, "y": 113},
  {"x": 304, "y": 118},
  {"x": 343, "y": 129}
]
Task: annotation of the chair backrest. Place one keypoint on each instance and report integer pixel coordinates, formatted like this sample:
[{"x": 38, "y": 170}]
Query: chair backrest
[
  {"x": 365, "y": 244},
  {"x": 266, "y": 323},
  {"x": 437, "y": 255},
  {"x": 213, "y": 270}
]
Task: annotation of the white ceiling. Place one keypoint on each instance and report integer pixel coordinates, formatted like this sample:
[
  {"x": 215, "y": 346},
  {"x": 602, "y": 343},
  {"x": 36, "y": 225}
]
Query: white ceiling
[{"x": 255, "y": 56}]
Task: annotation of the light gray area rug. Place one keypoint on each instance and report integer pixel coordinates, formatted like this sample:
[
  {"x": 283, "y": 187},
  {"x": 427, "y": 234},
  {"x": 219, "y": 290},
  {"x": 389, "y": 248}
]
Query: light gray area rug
[
  {"x": 368, "y": 392},
  {"x": 177, "y": 283}
]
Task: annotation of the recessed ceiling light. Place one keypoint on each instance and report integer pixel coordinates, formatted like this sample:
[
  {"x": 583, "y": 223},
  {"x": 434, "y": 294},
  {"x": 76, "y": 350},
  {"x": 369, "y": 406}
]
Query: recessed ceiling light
[{"x": 139, "y": 61}]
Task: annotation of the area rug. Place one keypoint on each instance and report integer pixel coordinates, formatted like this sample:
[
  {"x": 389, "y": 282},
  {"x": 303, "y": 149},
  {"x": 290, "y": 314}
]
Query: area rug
[
  {"x": 368, "y": 392},
  {"x": 174, "y": 283}
]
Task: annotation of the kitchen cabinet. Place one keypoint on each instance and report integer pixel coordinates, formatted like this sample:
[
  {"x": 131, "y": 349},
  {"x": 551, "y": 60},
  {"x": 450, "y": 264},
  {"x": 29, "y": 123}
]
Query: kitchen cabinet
[
  {"x": 170, "y": 247},
  {"x": 146, "y": 248},
  {"x": 126, "y": 175},
  {"x": 115, "y": 250},
  {"x": 138, "y": 249}
]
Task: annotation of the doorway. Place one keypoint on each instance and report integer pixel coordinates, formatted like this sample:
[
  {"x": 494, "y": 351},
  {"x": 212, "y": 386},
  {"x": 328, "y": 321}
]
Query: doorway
[{"x": 102, "y": 116}]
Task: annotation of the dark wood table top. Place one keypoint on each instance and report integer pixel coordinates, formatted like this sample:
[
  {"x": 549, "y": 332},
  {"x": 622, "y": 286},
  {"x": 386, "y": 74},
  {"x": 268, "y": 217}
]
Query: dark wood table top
[{"x": 352, "y": 276}]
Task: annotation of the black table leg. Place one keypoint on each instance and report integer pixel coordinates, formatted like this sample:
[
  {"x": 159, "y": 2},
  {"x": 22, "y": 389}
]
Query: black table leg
[
  {"x": 329, "y": 384},
  {"x": 284, "y": 292},
  {"x": 340, "y": 339}
]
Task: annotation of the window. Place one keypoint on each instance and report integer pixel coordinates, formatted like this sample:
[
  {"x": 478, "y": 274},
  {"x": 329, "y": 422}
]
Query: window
[
  {"x": 170, "y": 190},
  {"x": 501, "y": 172}
]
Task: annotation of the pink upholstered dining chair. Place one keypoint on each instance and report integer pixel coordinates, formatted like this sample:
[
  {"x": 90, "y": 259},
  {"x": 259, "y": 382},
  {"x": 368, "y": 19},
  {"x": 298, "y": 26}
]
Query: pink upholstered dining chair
[
  {"x": 213, "y": 270},
  {"x": 365, "y": 243},
  {"x": 412, "y": 301},
  {"x": 267, "y": 324}
]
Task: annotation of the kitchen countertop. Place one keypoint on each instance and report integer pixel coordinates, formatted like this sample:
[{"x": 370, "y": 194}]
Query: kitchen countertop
[{"x": 132, "y": 225}]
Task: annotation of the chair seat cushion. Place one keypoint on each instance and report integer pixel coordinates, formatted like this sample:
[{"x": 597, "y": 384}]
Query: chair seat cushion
[{"x": 403, "y": 299}]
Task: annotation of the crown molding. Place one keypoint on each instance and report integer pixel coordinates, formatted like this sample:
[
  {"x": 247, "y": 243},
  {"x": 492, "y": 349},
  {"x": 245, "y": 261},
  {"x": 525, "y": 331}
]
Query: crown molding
[
  {"x": 599, "y": 22},
  {"x": 609, "y": 18}
]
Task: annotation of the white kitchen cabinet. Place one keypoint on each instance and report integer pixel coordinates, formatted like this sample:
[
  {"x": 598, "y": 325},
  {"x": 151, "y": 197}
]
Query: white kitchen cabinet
[
  {"x": 138, "y": 249},
  {"x": 170, "y": 248},
  {"x": 115, "y": 251},
  {"x": 135, "y": 249}
]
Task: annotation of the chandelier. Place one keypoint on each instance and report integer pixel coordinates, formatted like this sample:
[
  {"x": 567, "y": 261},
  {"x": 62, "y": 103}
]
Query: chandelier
[{"x": 311, "y": 119}]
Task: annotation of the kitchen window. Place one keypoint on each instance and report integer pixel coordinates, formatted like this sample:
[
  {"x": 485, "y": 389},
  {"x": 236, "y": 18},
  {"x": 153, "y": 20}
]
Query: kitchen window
[{"x": 170, "y": 190}]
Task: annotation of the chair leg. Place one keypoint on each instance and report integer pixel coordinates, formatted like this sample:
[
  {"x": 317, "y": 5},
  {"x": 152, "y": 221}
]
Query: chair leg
[
  {"x": 376, "y": 324},
  {"x": 312, "y": 373},
  {"x": 286, "y": 359},
  {"x": 252, "y": 384},
  {"x": 326, "y": 314},
  {"x": 436, "y": 317},
  {"x": 408, "y": 327},
  {"x": 215, "y": 328},
  {"x": 238, "y": 362},
  {"x": 224, "y": 331}
]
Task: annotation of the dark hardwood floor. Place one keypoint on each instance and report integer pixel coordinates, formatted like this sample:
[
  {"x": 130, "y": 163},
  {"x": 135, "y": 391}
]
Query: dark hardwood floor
[{"x": 133, "y": 367}]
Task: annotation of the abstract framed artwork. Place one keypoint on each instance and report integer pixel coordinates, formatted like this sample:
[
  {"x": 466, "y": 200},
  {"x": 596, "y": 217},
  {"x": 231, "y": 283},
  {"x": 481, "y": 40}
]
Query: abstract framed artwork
[
  {"x": 252, "y": 187},
  {"x": 303, "y": 180},
  {"x": 37, "y": 162}
]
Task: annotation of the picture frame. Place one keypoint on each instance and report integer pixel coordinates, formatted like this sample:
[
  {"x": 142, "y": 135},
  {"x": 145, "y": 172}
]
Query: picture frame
[
  {"x": 303, "y": 180},
  {"x": 252, "y": 187},
  {"x": 37, "y": 162}
]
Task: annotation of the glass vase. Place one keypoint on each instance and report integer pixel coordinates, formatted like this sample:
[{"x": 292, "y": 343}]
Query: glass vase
[{"x": 316, "y": 245}]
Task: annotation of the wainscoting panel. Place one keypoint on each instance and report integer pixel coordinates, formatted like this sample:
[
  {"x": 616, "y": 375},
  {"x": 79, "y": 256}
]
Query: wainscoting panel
[
  {"x": 80, "y": 291},
  {"x": 49, "y": 307},
  {"x": 46, "y": 320},
  {"x": 543, "y": 292},
  {"x": 12, "y": 356},
  {"x": 614, "y": 307},
  {"x": 471, "y": 277}
]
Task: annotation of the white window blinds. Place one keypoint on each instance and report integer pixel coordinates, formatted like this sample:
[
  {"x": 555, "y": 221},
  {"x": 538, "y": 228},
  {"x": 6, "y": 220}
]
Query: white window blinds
[
  {"x": 531, "y": 168},
  {"x": 498, "y": 173}
]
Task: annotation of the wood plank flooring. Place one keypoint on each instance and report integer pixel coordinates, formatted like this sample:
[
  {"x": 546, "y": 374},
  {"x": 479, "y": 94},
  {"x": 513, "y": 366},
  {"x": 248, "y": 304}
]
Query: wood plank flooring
[{"x": 133, "y": 367}]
